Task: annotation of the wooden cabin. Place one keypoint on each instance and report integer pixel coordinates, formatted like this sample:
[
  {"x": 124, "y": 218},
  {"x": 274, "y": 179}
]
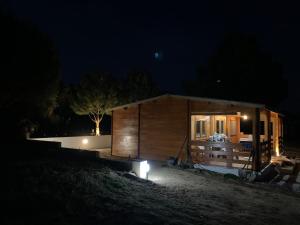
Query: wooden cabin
[{"x": 201, "y": 130}]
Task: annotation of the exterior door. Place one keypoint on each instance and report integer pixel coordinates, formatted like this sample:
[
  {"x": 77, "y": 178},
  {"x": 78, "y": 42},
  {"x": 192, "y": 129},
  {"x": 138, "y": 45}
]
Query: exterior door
[{"x": 233, "y": 128}]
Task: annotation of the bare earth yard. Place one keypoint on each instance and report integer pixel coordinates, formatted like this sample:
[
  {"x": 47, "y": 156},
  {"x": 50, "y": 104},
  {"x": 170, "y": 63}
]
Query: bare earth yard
[{"x": 64, "y": 192}]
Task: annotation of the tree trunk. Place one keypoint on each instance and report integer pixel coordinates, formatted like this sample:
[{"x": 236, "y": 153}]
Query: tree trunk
[
  {"x": 96, "y": 118},
  {"x": 97, "y": 128}
]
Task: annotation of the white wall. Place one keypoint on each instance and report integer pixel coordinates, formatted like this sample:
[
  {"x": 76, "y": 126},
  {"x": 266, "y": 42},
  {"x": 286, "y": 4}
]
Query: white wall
[{"x": 94, "y": 142}]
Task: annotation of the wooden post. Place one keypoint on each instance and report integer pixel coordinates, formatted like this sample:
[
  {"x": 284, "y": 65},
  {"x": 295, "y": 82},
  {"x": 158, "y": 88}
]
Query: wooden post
[
  {"x": 189, "y": 158},
  {"x": 281, "y": 143},
  {"x": 256, "y": 140},
  {"x": 229, "y": 157},
  {"x": 112, "y": 132},
  {"x": 269, "y": 134},
  {"x": 139, "y": 131},
  {"x": 276, "y": 134}
]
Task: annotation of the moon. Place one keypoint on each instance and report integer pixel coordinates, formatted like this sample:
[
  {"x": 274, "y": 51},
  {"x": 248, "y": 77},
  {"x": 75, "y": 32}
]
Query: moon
[{"x": 157, "y": 55}]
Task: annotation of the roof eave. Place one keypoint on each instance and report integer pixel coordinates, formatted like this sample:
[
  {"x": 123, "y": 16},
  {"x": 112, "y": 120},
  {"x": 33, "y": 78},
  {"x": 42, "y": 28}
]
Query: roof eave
[{"x": 246, "y": 104}]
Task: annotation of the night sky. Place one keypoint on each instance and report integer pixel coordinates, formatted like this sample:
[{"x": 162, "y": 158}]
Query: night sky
[{"x": 167, "y": 38}]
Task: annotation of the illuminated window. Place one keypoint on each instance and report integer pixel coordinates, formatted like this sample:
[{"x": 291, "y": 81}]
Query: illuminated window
[
  {"x": 201, "y": 128},
  {"x": 220, "y": 126}
]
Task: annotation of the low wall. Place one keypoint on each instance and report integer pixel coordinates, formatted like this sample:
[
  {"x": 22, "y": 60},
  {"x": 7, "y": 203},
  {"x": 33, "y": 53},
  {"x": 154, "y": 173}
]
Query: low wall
[{"x": 80, "y": 142}]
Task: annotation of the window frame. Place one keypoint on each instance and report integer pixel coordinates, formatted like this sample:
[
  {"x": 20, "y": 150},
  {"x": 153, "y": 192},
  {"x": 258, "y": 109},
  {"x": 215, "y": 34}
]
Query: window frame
[{"x": 201, "y": 129}]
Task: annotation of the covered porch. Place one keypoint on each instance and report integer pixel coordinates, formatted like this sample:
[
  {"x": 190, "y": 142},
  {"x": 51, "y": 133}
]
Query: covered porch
[{"x": 246, "y": 138}]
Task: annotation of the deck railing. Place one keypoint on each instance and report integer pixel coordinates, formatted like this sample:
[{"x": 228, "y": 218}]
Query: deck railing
[{"x": 220, "y": 153}]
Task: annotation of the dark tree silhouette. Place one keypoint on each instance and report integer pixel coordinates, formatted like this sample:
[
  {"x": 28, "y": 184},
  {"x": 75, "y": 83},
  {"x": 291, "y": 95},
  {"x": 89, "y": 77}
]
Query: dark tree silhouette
[
  {"x": 29, "y": 73},
  {"x": 240, "y": 70},
  {"x": 138, "y": 85},
  {"x": 61, "y": 120}
]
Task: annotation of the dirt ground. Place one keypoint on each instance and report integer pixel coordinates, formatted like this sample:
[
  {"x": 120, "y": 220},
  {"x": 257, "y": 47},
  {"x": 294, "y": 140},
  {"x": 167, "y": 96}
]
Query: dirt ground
[
  {"x": 65, "y": 192},
  {"x": 229, "y": 201}
]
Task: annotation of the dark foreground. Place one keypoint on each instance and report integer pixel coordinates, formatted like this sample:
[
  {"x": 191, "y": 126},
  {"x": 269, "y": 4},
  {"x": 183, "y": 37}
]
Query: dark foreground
[{"x": 60, "y": 191}]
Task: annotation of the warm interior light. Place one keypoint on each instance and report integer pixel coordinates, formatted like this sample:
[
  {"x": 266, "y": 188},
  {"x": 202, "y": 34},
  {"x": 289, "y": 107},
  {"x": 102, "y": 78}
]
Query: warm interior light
[
  {"x": 245, "y": 117},
  {"x": 85, "y": 141},
  {"x": 144, "y": 169}
]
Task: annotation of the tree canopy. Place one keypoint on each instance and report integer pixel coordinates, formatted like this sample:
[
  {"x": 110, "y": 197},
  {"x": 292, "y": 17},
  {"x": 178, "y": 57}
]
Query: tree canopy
[
  {"x": 29, "y": 71},
  {"x": 138, "y": 85},
  {"x": 240, "y": 70},
  {"x": 94, "y": 96}
]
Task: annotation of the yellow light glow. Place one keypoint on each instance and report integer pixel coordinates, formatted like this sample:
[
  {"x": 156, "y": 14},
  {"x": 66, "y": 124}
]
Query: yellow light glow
[
  {"x": 277, "y": 150},
  {"x": 245, "y": 117},
  {"x": 85, "y": 141}
]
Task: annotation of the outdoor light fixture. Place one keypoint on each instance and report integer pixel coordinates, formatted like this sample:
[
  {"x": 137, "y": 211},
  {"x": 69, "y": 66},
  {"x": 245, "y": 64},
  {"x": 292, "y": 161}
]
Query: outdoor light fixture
[
  {"x": 141, "y": 168},
  {"x": 85, "y": 141},
  {"x": 245, "y": 117},
  {"x": 144, "y": 169}
]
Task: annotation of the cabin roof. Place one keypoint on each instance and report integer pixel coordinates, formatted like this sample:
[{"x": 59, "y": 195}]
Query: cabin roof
[{"x": 246, "y": 104}]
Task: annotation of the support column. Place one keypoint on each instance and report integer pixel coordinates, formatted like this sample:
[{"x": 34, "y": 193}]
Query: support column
[
  {"x": 139, "y": 131},
  {"x": 256, "y": 163},
  {"x": 189, "y": 158},
  {"x": 112, "y": 132},
  {"x": 269, "y": 134},
  {"x": 281, "y": 143},
  {"x": 276, "y": 135}
]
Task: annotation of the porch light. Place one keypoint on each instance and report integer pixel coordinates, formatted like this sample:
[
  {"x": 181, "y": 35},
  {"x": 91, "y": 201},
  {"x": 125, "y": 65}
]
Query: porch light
[
  {"x": 245, "y": 117},
  {"x": 85, "y": 141}
]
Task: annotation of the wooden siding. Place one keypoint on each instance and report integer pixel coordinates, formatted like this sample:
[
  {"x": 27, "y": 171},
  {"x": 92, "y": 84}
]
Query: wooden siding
[
  {"x": 125, "y": 132},
  {"x": 163, "y": 128},
  {"x": 157, "y": 129},
  {"x": 202, "y": 107}
]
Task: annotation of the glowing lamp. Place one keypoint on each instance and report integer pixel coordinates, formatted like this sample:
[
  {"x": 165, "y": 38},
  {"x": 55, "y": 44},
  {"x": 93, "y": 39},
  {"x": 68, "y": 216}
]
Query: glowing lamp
[
  {"x": 144, "y": 169},
  {"x": 85, "y": 141},
  {"x": 141, "y": 168},
  {"x": 245, "y": 117}
]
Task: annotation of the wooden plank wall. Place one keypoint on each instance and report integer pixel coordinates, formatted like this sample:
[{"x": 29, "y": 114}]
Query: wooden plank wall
[
  {"x": 125, "y": 132},
  {"x": 200, "y": 107},
  {"x": 163, "y": 128}
]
